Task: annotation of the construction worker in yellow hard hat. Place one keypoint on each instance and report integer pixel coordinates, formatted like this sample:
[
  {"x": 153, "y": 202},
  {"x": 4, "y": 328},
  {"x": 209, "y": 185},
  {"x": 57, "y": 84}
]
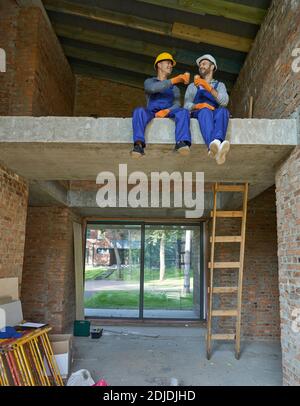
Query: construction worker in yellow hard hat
[
  {"x": 163, "y": 100},
  {"x": 207, "y": 99}
]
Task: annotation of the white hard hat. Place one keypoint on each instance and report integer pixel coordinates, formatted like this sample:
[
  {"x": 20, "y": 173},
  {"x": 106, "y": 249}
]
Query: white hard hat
[{"x": 208, "y": 58}]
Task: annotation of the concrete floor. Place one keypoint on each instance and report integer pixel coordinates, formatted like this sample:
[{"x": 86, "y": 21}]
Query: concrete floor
[{"x": 161, "y": 356}]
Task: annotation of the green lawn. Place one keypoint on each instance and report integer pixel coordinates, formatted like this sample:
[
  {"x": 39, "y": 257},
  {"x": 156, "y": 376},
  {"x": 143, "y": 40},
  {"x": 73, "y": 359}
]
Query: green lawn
[{"x": 130, "y": 300}]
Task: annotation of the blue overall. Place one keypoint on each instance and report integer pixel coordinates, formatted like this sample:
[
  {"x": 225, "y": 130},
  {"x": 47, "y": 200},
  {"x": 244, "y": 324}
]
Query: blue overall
[
  {"x": 161, "y": 101},
  {"x": 213, "y": 123}
]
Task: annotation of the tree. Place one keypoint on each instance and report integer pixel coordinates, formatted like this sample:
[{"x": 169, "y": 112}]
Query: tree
[
  {"x": 162, "y": 267},
  {"x": 187, "y": 262},
  {"x": 162, "y": 237}
]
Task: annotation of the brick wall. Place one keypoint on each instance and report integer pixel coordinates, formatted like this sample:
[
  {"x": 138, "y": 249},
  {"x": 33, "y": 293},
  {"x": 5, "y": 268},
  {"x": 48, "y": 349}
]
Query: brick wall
[
  {"x": 260, "y": 306},
  {"x": 8, "y": 34},
  {"x": 48, "y": 288},
  {"x": 267, "y": 73},
  {"x": 39, "y": 80},
  {"x": 288, "y": 219},
  {"x": 13, "y": 210},
  {"x": 97, "y": 97}
]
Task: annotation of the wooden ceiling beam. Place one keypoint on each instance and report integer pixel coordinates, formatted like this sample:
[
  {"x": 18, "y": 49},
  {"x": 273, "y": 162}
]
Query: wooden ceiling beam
[
  {"x": 222, "y": 8},
  {"x": 182, "y": 56},
  {"x": 176, "y": 30}
]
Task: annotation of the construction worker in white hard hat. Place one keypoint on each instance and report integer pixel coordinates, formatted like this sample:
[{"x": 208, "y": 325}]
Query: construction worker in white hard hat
[
  {"x": 163, "y": 100},
  {"x": 206, "y": 99}
]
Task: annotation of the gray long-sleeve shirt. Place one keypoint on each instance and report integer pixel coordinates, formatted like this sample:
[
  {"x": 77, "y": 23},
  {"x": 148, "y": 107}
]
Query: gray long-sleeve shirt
[
  {"x": 191, "y": 91},
  {"x": 154, "y": 85}
]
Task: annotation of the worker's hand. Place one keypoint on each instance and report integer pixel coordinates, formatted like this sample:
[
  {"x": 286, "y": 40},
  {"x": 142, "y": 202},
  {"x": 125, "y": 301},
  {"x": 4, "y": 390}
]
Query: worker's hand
[
  {"x": 201, "y": 82},
  {"x": 200, "y": 106},
  {"x": 162, "y": 113},
  {"x": 183, "y": 78}
]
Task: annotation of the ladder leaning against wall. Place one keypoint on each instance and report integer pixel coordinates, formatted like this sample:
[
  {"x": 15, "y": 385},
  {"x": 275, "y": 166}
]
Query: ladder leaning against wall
[{"x": 218, "y": 266}]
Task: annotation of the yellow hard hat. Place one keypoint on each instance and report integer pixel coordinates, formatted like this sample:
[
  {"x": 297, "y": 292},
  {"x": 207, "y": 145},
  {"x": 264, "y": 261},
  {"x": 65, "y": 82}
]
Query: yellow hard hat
[{"x": 163, "y": 57}]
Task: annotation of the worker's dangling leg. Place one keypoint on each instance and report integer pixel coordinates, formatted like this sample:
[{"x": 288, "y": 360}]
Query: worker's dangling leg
[
  {"x": 221, "y": 120},
  {"x": 206, "y": 122},
  {"x": 183, "y": 137},
  {"x": 140, "y": 119}
]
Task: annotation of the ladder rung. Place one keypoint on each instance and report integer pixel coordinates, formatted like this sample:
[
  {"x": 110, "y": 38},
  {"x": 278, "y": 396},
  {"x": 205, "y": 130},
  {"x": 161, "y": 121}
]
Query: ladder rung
[
  {"x": 230, "y": 188},
  {"x": 225, "y": 265},
  {"x": 223, "y": 336},
  {"x": 227, "y": 213},
  {"x": 232, "y": 238},
  {"x": 231, "y": 289},
  {"x": 228, "y": 313}
]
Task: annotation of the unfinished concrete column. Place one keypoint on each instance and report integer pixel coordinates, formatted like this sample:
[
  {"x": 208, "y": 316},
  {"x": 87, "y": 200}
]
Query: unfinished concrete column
[
  {"x": 288, "y": 230},
  {"x": 13, "y": 209},
  {"x": 48, "y": 288}
]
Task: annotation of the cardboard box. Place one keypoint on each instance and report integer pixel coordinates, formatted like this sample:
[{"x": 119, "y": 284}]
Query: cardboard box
[
  {"x": 62, "y": 349},
  {"x": 13, "y": 312},
  {"x": 9, "y": 287}
]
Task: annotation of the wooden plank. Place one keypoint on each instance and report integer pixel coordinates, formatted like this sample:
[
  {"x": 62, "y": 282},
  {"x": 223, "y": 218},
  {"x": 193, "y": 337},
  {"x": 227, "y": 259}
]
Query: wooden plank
[
  {"x": 223, "y": 336},
  {"x": 240, "y": 282},
  {"x": 106, "y": 59},
  {"x": 225, "y": 313},
  {"x": 79, "y": 274},
  {"x": 107, "y": 16},
  {"x": 227, "y": 9},
  {"x": 231, "y": 188},
  {"x": 231, "y": 289},
  {"x": 218, "y": 265},
  {"x": 211, "y": 279},
  {"x": 227, "y": 213},
  {"x": 212, "y": 37},
  {"x": 232, "y": 238},
  {"x": 182, "y": 56}
]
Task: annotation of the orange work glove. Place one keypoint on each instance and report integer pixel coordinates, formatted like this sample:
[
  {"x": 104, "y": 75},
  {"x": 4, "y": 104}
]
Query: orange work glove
[
  {"x": 201, "y": 82},
  {"x": 183, "y": 78},
  {"x": 200, "y": 106},
  {"x": 162, "y": 113}
]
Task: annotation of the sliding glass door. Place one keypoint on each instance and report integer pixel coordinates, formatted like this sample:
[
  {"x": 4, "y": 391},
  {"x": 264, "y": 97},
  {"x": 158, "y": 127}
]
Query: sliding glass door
[
  {"x": 144, "y": 271},
  {"x": 172, "y": 272},
  {"x": 112, "y": 270}
]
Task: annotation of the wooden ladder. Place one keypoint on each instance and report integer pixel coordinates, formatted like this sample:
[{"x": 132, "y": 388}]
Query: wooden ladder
[{"x": 226, "y": 265}]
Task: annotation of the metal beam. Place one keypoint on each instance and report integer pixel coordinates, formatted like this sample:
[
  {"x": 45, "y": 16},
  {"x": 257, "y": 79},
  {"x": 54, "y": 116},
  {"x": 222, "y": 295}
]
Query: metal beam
[
  {"x": 222, "y": 8},
  {"x": 176, "y": 30},
  {"x": 182, "y": 56}
]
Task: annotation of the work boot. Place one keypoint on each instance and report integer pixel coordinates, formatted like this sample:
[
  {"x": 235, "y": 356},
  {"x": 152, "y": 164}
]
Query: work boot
[
  {"x": 182, "y": 148},
  {"x": 221, "y": 155},
  {"x": 138, "y": 151},
  {"x": 214, "y": 148}
]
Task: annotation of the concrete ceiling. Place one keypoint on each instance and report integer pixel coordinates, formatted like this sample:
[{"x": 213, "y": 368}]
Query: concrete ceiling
[{"x": 45, "y": 150}]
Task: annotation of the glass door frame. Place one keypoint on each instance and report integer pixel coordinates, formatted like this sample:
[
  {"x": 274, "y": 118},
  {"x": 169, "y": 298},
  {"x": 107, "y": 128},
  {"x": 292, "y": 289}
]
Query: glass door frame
[{"x": 143, "y": 224}]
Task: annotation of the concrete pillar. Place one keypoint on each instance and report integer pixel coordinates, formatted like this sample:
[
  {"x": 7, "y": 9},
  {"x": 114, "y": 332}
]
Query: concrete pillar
[
  {"x": 48, "y": 288},
  {"x": 288, "y": 231}
]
